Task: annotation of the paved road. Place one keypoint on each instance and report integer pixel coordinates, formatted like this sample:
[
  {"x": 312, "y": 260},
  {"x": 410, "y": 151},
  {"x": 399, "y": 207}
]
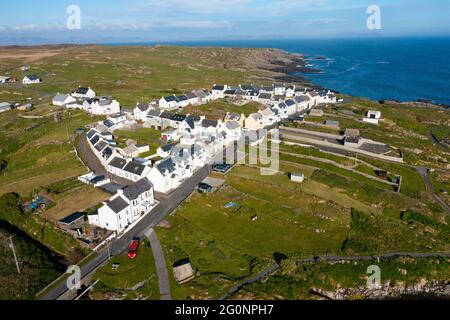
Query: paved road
[
  {"x": 424, "y": 172},
  {"x": 164, "y": 208},
  {"x": 95, "y": 165},
  {"x": 275, "y": 267},
  {"x": 160, "y": 262}
]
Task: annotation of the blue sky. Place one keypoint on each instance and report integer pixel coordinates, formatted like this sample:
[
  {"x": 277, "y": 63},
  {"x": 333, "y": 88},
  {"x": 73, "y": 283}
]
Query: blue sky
[{"x": 44, "y": 21}]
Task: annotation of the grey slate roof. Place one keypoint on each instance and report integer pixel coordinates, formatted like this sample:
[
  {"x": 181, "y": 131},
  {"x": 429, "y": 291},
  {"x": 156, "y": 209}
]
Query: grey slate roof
[
  {"x": 166, "y": 115},
  {"x": 101, "y": 145},
  {"x": 209, "y": 123},
  {"x": 290, "y": 102},
  {"x": 166, "y": 165},
  {"x": 82, "y": 90},
  {"x": 91, "y": 133},
  {"x": 118, "y": 162},
  {"x": 135, "y": 168},
  {"x": 118, "y": 204},
  {"x": 265, "y": 96},
  {"x": 178, "y": 117},
  {"x": 94, "y": 140},
  {"x": 134, "y": 191},
  {"x": 219, "y": 87}
]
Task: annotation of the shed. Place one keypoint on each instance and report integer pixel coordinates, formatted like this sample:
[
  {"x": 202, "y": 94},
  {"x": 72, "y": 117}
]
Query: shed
[
  {"x": 297, "y": 177},
  {"x": 73, "y": 221},
  {"x": 183, "y": 271}
]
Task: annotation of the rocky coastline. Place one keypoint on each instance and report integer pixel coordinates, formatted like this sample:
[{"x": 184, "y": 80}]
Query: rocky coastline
[{"x": 390, "y": 291}]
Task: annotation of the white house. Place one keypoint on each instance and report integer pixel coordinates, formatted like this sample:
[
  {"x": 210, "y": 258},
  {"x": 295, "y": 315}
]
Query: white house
[
  {"x": 164, "y": 176},
  {"x": 265, "y": 98},
  {"x": 84, "y": 93},
  {"x": 183, "y": 101},
  {"x": 314, "y": 96},
  {"x": 168, "y": 102},
  {"x": 217, "y": 91},
  {"x": 169, "y": 136},
  {"x": 61, "y": 100},
  {"x": 327, "y": 97},
  {"x": 302, "y": 103},
  {"x": 140, "y": 111},
  {"x": 372, "y": 117},
  {"x": 279, "y": 89},
  {"x": 203, "y": 95},
  {"x": 255, "y": 121},
  {"x": 291, "y": 107},
  {"x": 268, "y": 117},
  {"x": 31, "y": 79},
  {"x": 126, "y": 207},
  {"x": 101, "y": 106}
]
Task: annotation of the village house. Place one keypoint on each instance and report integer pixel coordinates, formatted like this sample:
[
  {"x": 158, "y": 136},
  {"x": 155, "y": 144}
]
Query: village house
[
  {"x": 234, "y": 130},
  {"x": 314, "y": 96},
  {"x": 62, "y": 100},
  {"x": 372, "y": 117},
  {"x": 302, "y": 103},
  {"x": 264, "y": 98},
  {"x": 251, "y": 95},
  {"x": 268, "y": 118},
  {"x": 129, "y": 152},
  {"x": 291, "y": 107},
  {"x": 279, "y": 89},
  {"x": 84, "y": 93},
  {"x": 165, "y": 151},
  {"x": 193, "y": 99},
  {"x": 240, "y": 118},
  {"x": 183, "y": 101},
  {"x": 217, "y": 91},
  {"x": 267, "y": 89},
  {"x": 255, "y": 121},
  {"x": 168, "y": 102},
  {"x": 126, "y": 207},
  {"x": 140, "y": 111},
  {"x": 31, "y": 79},
  {"x": 290, "y": 92},
  {"x": 170, "y": 136},
  {"x": 164, "y": 176},
  {"x": 203, "y": 95},
  {"x": 101, "y": 106}
]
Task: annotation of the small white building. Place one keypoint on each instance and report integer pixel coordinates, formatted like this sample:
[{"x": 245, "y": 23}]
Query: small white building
[
  {"x": 169, "y": 102},
  {"x": 62, "y": 100},
  {"x": 297, "y": 177},
  {"x": 31, "y": 79}
]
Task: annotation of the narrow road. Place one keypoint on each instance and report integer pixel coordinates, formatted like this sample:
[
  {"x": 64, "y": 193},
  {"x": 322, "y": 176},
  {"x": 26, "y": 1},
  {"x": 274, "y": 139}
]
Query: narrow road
[
  {"x": 160, "y": 262},
  {"x": 275, "y": 267},
  {"x": 424, "y": 172}
]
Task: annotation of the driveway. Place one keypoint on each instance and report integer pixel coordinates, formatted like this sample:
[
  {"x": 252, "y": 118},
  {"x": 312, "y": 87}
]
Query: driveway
[{"x": 160, "y": 262}]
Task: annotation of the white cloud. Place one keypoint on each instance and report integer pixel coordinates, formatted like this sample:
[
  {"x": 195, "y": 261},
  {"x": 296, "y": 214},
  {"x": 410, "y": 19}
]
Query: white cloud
[{"x": 24, "y": 27}]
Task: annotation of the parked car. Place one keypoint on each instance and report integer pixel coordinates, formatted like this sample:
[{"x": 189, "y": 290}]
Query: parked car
[
  {"x": 221, "y": 168},
  {"x": 134, "y": 248},
  {"x": 204, "y": 188}
]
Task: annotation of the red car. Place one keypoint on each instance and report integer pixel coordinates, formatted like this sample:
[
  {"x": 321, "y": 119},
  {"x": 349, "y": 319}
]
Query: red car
[{"x": 133, "y": 249}]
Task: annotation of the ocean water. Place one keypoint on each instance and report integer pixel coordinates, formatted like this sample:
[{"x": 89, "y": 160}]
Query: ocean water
[{"x": 403, "y": 69}]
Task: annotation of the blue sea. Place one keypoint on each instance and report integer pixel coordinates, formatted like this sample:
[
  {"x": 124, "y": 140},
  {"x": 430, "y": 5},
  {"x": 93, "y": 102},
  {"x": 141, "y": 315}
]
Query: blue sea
[{"x": 403, "y": 69}]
